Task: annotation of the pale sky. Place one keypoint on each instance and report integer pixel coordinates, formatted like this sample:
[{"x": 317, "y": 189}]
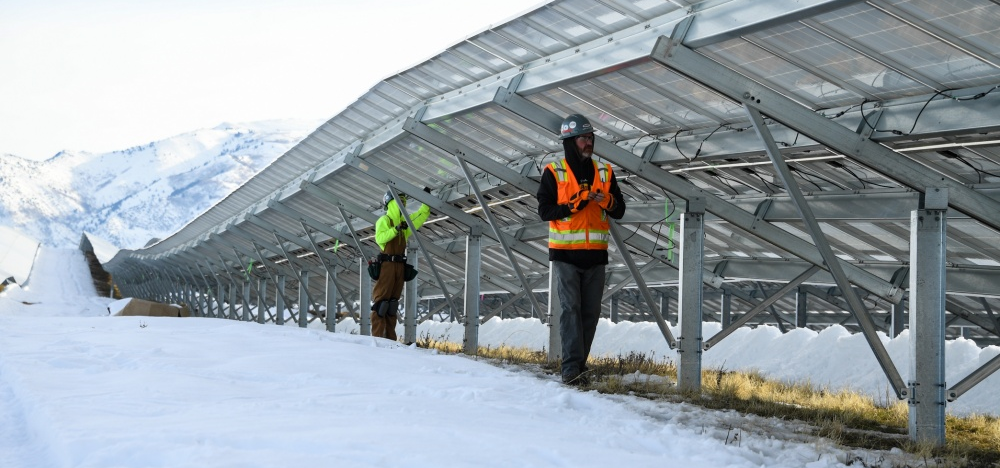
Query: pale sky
[{"x": 104, "y": 75}]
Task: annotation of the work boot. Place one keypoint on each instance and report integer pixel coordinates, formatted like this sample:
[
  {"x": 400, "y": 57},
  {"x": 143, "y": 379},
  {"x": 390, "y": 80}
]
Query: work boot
[{"x": 580, "y": 379}]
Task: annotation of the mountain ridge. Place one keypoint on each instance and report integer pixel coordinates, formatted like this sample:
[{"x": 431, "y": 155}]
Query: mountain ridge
[{"x": 129, "y": 196}]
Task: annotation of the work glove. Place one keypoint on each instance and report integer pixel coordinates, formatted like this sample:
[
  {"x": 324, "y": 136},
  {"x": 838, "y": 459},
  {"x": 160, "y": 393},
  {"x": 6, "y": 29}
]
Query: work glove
[
  {"x": 579, "y": 201},
  {"x": 402, "y": 226},
  {"x": 608, "y": 203}
]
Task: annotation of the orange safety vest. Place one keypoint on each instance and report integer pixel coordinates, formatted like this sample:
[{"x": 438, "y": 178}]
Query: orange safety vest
[{"x": 586, "y": 229}]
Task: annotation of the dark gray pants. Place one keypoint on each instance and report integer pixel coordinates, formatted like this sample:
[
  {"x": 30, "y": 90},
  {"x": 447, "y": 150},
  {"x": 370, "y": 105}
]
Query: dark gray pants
[{"x": 580, "y": 291}]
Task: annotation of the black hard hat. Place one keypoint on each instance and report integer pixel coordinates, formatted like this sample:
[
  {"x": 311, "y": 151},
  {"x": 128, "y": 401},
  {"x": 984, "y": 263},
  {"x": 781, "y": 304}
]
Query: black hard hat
[{"x": 575, "y": 125}]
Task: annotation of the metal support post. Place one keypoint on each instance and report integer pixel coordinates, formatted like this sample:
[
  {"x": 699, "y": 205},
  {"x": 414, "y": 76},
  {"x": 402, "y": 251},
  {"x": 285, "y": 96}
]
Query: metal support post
[
  {"x": 270, "y": 268},
  {"x": 245, "y": 316},
  {"x": 279, "y": 301},
  {"x": 928, "y": 237},
  {"x": 665, "y": 308},
  {"x": 430, "y": 263},
  {"x": 689, "y": 301},
  {"x": 220, "y": 298},
  {"x": 300, "y": 274},
  {"x": 552, "y": 318},
  {"x": 535, "y": 308},
  {"x": 262, "y": 301},
  {"x": 304, "y": 298},
  {"x": 613, "y": 312},
  {"x": 433, "y": 253},
  {"x": 898, "y": 317},
  {"x": 330, "y": 267},
  {"x": 331, "y": 299},
  {"x": 411, "y": 298},
  {"x": 727, "y": 308},
  {"x": 801, "y": 307},
  {"x": 473, "y": 263},
  {"x": 365, "y": 297},
  {"x": 232, "y": 301},
  {"x": 738, "y": 217}
]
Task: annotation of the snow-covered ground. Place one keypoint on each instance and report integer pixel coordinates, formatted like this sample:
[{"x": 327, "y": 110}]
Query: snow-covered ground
[{"x": 81, "y": 389}]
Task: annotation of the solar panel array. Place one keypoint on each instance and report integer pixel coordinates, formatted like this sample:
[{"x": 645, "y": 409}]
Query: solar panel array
[{"x": 916, "y": 76}]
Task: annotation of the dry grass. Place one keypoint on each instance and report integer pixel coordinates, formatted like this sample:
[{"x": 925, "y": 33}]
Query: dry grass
[{"x": 846, "y": 417}]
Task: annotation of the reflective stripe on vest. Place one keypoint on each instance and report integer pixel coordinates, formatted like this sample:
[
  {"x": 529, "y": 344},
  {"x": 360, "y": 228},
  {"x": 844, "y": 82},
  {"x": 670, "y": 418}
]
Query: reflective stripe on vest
[
  {"x": 587, "y": 229},
  {"x": 559, "y": 169}
]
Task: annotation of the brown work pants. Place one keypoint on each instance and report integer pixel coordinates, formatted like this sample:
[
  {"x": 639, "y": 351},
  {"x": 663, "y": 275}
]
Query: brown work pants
[
  {"x": 388, "y": 286},
  {"x": 384, "y": 327}
]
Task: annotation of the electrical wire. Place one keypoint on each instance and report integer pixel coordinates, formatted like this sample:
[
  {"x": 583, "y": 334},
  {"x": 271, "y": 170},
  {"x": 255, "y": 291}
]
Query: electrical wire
[
  {"x": 863, "y": 185},
  {"x": 726, "y": 179},
  {"x": 809, "y": 179},
  {"x": 841, "y": 113},
  {"x": 922, "y": 108},
  {"x": 673, "y": 207},
  {"x": 788, "y": 145},
  {"x": 917, "y": 118},
  {"x": 632, "y": 148},
  {"x": 980, "y": 172},
  {"x": 636, "y": 187},
  {"x": 700, "y": 145},
  {"x": 678, "y": 146},
  {"x": 762, "y": 179}
]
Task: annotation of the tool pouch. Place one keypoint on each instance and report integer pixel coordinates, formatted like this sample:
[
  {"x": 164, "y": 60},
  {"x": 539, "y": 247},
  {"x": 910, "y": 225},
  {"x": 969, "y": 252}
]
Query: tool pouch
[
  {"x": 374, "y": 268},
  {"x": 409, "y": 273}
]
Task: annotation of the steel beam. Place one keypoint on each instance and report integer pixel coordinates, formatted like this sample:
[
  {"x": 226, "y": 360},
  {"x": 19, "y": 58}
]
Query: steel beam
[
  {"x": 552, "y": 317},
  {"x": 364, "y": 297},
  {"x": 974, "y": 378},
  {"x": 301, "y": 273},
  {"x": 498, "y": 234},
  {"x": 774, "y": 297},
  {"x": 640, "y": 282},
  {"x": 689, "y": 302},
  {"x": 473, "y": 266},
  {"x": 267, "y": 264},
  {"x": 427, "y": 256},
  {"x": 466, "y": 153},
  {"x": 331, "y": 272},
  {"x": 859, "y": 149},
  {"x": 304, "y": 300},
  {"x": 897, "y": 320},
  {"x": 411, "y": 297},
  {"x": 433, "y": 202},
  {"x": 684, "y": 189},
  {"x": 727, "y": 309},
  {"x": 802, "y": 308},
  {"x": 613, "y": 309},
  {"x": 279, "y": 300},
  {"x": 830, "y": 260},
  {"x": 927, "y": 322},
  {"x": 262, "y": 307}
]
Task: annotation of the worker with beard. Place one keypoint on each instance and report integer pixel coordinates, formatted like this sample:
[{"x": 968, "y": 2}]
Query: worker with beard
[{"x": 576, "y": 197}]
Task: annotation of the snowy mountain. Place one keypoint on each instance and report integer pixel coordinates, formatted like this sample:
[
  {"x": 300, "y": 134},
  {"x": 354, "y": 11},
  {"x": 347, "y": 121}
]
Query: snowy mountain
[{"x": 131, "y": 196}]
